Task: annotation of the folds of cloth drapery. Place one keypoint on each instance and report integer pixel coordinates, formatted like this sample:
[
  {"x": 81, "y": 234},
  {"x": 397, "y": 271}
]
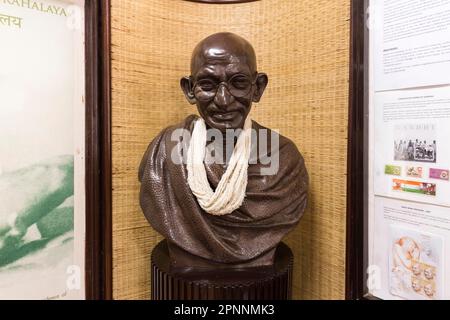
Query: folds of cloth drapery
[{"x": 272, "y": 207}]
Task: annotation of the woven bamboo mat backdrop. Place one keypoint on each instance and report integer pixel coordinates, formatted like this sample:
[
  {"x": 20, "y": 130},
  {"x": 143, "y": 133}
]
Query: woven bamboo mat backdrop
[{"x": 304, "y": 48}]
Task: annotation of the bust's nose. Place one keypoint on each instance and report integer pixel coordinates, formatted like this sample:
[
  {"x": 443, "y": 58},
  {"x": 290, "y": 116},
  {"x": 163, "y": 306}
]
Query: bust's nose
[{"x": 223, "y": 97}]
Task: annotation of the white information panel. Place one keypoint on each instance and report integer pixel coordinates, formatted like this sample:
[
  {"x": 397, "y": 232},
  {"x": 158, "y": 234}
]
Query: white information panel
[{"x": 409, "y": 149}]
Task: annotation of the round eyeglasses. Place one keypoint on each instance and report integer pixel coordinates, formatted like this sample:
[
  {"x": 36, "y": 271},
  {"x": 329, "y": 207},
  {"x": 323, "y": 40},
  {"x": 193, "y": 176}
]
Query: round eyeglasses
[{"x": 238, "y": 85}]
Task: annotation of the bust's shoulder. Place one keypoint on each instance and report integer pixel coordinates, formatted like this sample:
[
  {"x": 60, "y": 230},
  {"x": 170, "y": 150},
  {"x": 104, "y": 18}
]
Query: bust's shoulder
[
  {"x": 187, "y": 124},
  {"x": 172, "y": 133},
  {"x": 286, "y": 145},
  {"x": 286, "y": 163},
  {"x": 159, "y": 147}
]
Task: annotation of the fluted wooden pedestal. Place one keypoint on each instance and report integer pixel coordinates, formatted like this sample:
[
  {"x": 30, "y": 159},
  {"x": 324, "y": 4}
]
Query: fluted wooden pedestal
[{"x": 257, "y": 283}]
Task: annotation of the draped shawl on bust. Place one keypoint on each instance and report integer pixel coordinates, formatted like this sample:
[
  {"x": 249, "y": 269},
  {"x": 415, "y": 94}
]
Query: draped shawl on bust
[{"x": 272, "y": 207}]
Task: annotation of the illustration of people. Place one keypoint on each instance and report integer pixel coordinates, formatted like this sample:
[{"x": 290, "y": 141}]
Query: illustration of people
[
  {"x": 398, "y": 150},
  {"x": 405, "y": 252},
  {"x": 403, "y": 150},
  {"x": 419, "y": 151},
  {"x": 416, "y": 269},
  {"x": 428, "y": 273},
  {"x": 410, "y": 151},
  {"x": 414, "y": 150},
  {"x": 429, "y": 290},
  {"x": 434, "y": 150},
  {"x": 417, "y": 148},
  {"x": 430, "y": 151},
  {"x": 415, "y": 284},
  {"x": 424, "y": 150}
]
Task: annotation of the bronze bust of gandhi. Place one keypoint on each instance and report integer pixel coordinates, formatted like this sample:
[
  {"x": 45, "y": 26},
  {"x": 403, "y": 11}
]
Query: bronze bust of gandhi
[{"x": 221, "y": 188}]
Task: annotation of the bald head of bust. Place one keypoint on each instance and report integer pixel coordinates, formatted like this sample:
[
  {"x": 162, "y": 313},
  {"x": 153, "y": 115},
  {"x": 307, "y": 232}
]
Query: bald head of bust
[
  {"x": 224, "y": 80},
  {"x": 223, "y": 47}
]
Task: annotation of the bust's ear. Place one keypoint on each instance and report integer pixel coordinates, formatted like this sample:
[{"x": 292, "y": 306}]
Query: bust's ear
[
  {"x": 188, "y": 90},
  {"x": 261, "y": 84}
]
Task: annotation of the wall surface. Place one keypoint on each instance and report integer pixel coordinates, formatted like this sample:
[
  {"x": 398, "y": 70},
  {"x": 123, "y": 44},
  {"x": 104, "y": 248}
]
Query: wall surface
[{"x": 304, "y": 48}]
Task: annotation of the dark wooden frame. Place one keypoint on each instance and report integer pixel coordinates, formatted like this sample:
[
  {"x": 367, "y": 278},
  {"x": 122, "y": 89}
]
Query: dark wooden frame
[
  {"x": 98, "y": 150},
  {"x": 356, "y": 242},
  {"x": 98, "y": 153}
]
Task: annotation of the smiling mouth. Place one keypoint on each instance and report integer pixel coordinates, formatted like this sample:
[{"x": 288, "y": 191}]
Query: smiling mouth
[{"x": 225, "y": 115}]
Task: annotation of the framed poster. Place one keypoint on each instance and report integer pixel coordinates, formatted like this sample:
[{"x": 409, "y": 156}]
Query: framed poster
[
  {"x": 399, "y": 186},
  {"x": 54, "y": 154}
]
